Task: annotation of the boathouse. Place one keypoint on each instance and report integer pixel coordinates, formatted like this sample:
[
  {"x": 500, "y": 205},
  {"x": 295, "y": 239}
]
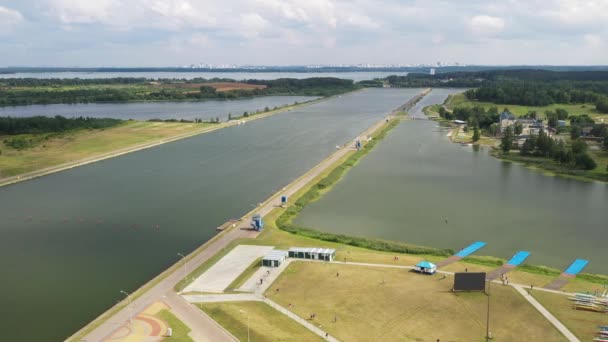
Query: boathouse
[
  {"x": 274, "y": 258},
  {"x": 326, "y": 254}
]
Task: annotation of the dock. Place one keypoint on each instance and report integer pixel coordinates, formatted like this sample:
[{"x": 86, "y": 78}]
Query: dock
[
  {"x": 470, "y": 249},
  {"x": 516, "y": 260},
  {"x": 227, "y": 225},
  {"x": 575, "y": 268}
]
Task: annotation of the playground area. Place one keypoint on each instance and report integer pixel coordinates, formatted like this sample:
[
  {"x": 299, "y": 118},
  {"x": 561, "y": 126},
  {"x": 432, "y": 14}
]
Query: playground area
[
  {"x": 365, "y": 303},
  {"x": 152, "y": 324}
]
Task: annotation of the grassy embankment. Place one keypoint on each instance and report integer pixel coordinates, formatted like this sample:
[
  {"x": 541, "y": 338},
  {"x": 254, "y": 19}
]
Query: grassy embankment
[
  {"x": 265, "y": 323},
  {"x": 54, "y": 149},
  {"x": 373, "y": 303}
]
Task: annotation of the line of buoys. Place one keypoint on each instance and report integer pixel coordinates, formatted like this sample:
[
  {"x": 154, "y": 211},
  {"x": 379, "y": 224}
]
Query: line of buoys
[{"x": 65, "y": 220}]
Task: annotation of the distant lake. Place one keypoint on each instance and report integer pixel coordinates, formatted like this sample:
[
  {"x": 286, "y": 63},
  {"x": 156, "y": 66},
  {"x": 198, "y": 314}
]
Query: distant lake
[
  {"x": 356, "y": 76},
  {"x": 156, "y": 110}
]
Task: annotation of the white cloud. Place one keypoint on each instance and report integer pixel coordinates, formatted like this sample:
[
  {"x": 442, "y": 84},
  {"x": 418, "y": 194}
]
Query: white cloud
[
  {"x": 164, "y": 14},
  {"x": 593, "y": 40},
  {"x": 486, "y": 25},
  {"x": 308, "y": 31},
  {"x": 252, "y": 24},
  {"x": 9, "y": 18}
]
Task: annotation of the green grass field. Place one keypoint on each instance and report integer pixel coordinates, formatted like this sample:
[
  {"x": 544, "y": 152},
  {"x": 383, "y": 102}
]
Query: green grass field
[
  {"x": 266, "y": 324},
  {"x": 180, "y": 330},
  {"x": 73, "y": 146},
  {"x": 374, "y": 304},
  {"x": 573, "y": 109},
  {"x": 581, "y": 323}
]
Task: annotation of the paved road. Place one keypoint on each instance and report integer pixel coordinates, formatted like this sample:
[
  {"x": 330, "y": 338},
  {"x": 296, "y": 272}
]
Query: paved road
[
  {"x": 164, "y": 288},
  {"x": 562, "y": 328},
  {"x": 202, "y": 327}
]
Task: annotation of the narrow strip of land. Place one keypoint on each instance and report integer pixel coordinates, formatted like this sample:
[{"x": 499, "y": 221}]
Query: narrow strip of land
[
  {"x": 149, "y": 144},
  {"x": 104, "y": 326}
]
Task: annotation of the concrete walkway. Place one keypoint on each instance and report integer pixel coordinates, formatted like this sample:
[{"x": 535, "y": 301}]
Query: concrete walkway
[
  {"x": 218, "y": 298},
  {"x": 562, "y": 328},
  {"x": 268, "y": 274},
  {"x": 300, "y": 320}
]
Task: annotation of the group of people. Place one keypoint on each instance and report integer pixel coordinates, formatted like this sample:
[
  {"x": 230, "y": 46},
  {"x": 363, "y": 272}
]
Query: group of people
[{"x": 504, "y": 279}]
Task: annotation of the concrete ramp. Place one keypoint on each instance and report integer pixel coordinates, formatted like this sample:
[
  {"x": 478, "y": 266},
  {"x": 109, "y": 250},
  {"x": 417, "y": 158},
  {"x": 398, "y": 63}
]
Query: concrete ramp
[{"x": 217, "y": 278}]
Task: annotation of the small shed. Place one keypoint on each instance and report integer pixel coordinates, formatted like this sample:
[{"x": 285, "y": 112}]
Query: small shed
[
  {"x": 425, "y": 267},
  {"x": 326, "y": 254},
  {"x": 274, "y": 258}
]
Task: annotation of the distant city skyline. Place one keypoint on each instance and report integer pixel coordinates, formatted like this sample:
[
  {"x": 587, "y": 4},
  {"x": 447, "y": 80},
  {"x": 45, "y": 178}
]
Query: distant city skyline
[{"x": 151, "y": 33}]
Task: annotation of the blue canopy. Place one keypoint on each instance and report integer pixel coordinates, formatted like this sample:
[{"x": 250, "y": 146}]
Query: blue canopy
[{"x": 425, "y": 264}]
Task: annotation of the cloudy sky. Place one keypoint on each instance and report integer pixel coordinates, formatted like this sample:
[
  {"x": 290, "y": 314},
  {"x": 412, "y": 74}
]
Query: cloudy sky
[{"x": 288, "y": 32}]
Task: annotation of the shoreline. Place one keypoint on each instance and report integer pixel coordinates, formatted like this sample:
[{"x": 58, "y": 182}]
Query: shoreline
[
  {"x": 536, "y": 165},
  {"x": 116, "y": 153}
]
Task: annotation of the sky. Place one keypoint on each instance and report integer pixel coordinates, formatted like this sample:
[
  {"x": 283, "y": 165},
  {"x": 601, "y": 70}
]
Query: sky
[{"x": 93, "y": 33}]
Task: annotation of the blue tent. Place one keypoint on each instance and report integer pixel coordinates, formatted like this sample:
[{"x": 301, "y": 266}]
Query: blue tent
[{"x": 426, "y": 267}]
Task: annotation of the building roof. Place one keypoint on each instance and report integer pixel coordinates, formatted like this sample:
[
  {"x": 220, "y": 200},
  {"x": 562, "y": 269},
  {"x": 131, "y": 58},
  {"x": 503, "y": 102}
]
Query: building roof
[
  {"x": 312, "y": 250},
  {"x": 506, "y": 116},
  {"x": 426, "y": 264},
  {"x": 275, "y": 254}
]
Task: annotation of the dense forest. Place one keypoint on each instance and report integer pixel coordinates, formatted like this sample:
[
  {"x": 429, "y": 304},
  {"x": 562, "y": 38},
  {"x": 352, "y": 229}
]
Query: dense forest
[
  {"x": 40, "y": 91},
  {"x": 520, "y": 87}
]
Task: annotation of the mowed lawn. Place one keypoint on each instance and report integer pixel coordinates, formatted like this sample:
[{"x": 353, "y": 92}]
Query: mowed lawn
[
  {"x": 82, "y": 144},
  {"x": 266, "y": 324},
  {"x": 583, "y": 324},
  {"x": 375, "y": 304}
]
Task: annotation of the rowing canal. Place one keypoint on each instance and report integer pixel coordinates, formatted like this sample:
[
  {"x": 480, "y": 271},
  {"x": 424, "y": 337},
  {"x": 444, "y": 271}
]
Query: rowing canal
[
  {"x": 71, "y": 241},
  {"x": 416, "y": 179}
]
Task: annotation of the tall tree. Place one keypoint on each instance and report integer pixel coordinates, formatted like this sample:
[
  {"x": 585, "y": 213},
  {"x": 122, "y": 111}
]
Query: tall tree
[
  {"x": 518, "y": 128},
  {"x": 476, "y": 134},
  {"x": 507, "y": 140}
]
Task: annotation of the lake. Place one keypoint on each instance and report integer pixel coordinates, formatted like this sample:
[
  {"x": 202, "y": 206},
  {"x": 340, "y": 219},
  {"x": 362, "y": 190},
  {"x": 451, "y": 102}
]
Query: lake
[
  {"x": 416, "y": 178},
  {"x": 71, "y": 241},
  {"x": 157, "y": 110},
  {"x": 355, "y": 76}
]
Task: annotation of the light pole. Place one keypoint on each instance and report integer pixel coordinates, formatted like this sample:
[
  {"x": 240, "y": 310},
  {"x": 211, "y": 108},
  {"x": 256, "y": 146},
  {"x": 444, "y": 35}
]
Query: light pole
[
  {"x": 129, "y": 307},
  {"x": 245, "y": 312},
  {"x": 488, "y": 337},
  {"x": 185, "y": 267}
]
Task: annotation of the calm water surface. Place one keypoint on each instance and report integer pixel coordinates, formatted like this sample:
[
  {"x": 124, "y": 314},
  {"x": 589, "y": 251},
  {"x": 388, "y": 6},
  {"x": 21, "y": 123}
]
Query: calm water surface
[
  {"x": 70, "y": 241},
  {"x": 415, "y": 179},
  {"x": 156, "y": 110}
]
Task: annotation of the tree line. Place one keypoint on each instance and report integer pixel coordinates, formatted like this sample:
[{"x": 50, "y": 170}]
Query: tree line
[
  {"x": 542, "y": 145},
  {"x": 44, "y": 124}
]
